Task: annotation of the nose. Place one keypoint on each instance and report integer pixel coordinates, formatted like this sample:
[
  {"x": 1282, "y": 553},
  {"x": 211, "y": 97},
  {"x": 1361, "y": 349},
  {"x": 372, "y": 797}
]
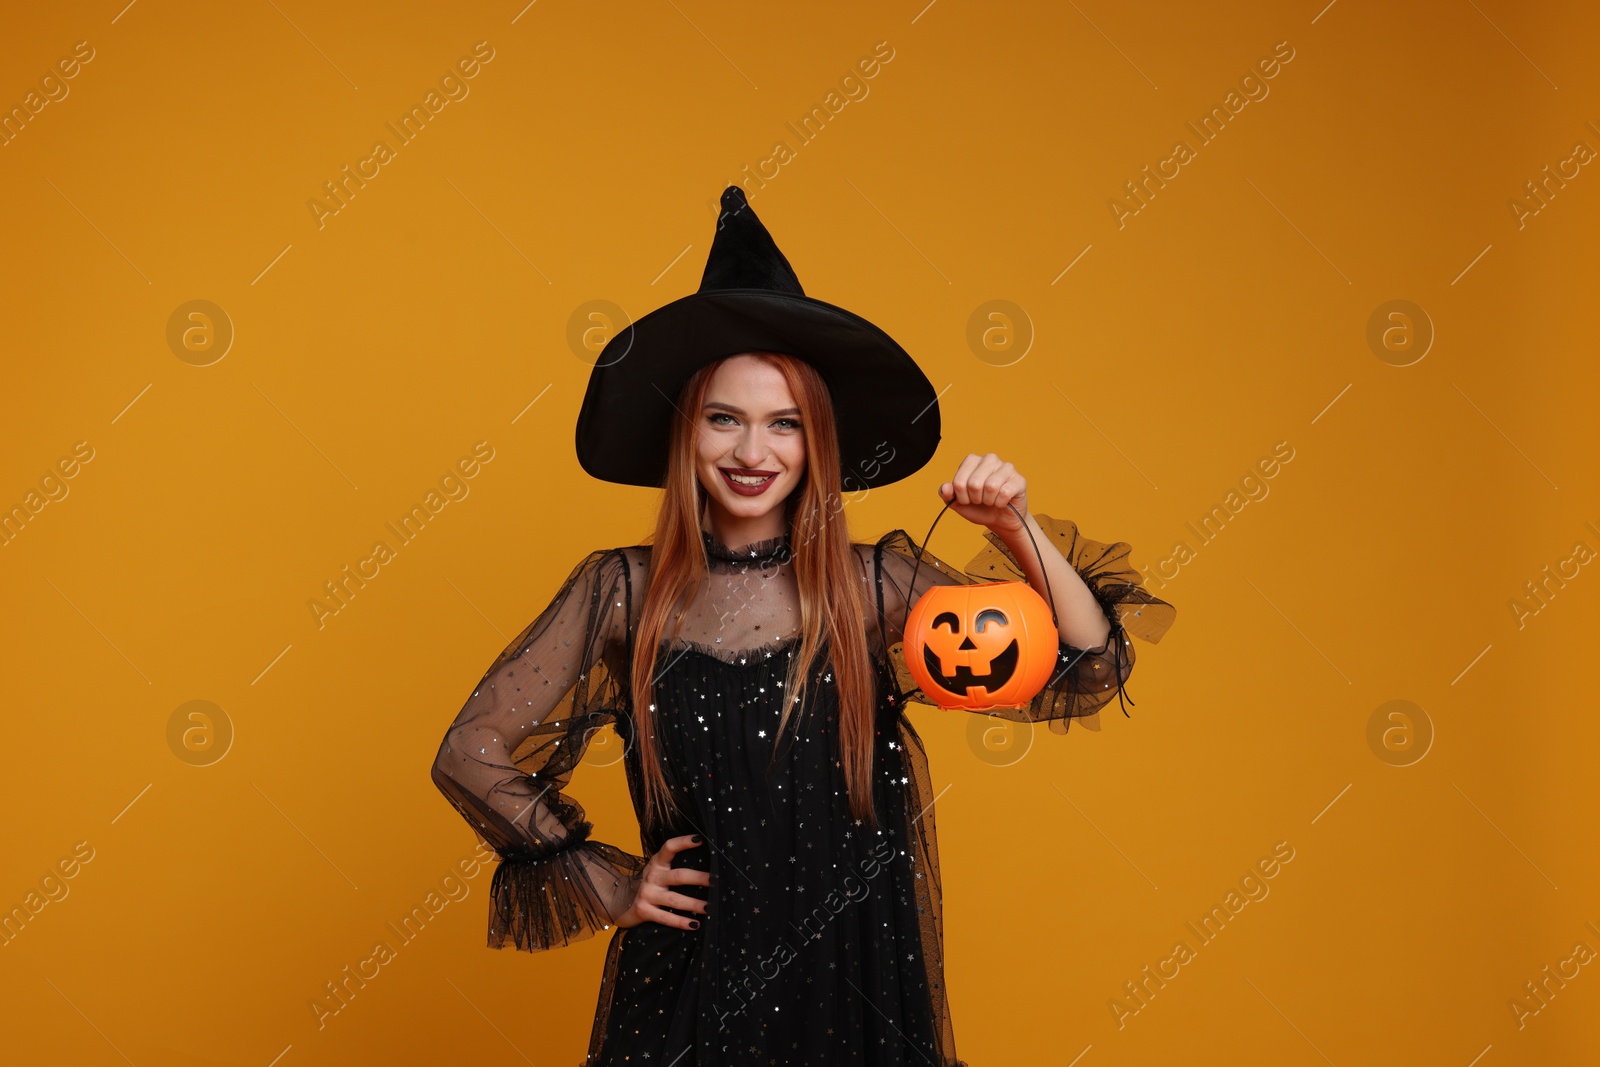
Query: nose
[{"x": 751, "y": 449}]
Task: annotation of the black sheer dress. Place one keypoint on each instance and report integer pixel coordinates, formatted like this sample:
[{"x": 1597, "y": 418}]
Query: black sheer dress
[{"x": 823, "y": 944}]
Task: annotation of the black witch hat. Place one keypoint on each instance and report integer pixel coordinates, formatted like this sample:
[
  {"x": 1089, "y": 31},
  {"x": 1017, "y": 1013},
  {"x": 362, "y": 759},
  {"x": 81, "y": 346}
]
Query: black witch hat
[{"x": 750, "y": 300}]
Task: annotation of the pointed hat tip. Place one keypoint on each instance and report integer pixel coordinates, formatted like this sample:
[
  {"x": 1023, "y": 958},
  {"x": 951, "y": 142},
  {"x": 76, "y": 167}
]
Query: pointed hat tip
[{"x": 743, "y": 254}]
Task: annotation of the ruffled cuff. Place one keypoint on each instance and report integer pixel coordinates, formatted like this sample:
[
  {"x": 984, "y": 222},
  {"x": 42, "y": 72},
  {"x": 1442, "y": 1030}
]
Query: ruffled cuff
[
  {"x": 1084, "y": 679},
  {"x": 1105, "y": 569},
  {"x": 542, "y": 900}
]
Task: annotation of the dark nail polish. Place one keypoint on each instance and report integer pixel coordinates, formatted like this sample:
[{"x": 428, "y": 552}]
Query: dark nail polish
[
  {"x": 694, "y": 924},
  {"x": 696, "y": 838}
]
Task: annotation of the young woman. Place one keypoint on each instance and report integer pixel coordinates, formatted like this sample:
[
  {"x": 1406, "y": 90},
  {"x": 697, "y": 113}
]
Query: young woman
[{"x": 786, "y": 909}]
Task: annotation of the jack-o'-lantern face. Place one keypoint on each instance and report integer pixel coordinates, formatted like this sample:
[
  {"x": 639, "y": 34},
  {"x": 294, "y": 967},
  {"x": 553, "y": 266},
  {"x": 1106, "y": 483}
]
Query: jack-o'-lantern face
[
  {"x": 978, "y": 646},
  {"x": 983, "y": 655}
]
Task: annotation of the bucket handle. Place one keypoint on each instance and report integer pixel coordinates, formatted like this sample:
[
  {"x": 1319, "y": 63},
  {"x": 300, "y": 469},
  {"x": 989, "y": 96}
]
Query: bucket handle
[{"x": 1055, "y": 621}]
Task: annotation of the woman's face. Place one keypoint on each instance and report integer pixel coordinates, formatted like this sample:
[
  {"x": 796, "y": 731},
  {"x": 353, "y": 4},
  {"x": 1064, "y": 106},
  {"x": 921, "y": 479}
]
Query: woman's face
[{"x": 750, "y": 446}]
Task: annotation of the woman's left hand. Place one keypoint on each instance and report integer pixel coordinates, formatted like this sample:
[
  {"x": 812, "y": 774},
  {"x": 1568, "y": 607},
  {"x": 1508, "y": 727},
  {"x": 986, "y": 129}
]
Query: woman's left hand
[{"x": 981, "y": 489}]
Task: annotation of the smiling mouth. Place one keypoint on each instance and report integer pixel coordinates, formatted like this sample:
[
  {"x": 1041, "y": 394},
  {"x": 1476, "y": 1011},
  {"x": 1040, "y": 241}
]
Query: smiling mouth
[
  {"x": 740, "y": 476},
  {"x": 964, "y": 680}
]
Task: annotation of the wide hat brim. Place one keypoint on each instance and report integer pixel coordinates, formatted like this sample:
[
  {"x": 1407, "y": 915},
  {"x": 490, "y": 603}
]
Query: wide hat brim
[{"x": 886, "y": 409}]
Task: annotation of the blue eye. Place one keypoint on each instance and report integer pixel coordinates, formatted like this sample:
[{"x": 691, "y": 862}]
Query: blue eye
[{"x": 787, "y": 423}]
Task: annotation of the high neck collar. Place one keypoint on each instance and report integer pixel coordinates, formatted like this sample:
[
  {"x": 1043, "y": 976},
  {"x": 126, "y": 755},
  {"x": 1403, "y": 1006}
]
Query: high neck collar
[{"x": 771, "y": 550}]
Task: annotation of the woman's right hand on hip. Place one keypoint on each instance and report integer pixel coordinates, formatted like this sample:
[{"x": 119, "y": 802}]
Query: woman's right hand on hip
[{"x": 656, "y": 894}]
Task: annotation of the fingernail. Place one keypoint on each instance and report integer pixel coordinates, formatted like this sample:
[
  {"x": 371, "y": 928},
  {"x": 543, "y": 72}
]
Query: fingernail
[
  {"x": 696, "y": 838},
  {"x": 694, "y": 924}
]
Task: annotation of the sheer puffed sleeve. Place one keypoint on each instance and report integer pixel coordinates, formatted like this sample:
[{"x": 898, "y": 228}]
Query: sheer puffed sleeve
[
  {"x": 514, "y": 745},
  {"x": 1084, "y": 679}
]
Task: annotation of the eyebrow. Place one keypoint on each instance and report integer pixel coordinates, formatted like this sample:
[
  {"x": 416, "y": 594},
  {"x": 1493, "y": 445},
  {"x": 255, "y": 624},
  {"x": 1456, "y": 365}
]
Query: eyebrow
[{"x": 741, "y": 411}]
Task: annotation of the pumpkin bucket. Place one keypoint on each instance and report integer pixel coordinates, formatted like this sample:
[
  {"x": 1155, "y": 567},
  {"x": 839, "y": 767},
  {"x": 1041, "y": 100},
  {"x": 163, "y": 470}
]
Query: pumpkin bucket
[{"x": 984, "y": 645}]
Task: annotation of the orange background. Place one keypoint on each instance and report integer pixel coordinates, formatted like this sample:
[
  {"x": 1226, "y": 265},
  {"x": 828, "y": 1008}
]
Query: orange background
[{"x": 1229, "y": 314}]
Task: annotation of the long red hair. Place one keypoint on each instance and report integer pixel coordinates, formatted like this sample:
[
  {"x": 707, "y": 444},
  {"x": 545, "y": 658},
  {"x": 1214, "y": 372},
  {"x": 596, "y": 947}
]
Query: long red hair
[{"x": 833, "y": 603}]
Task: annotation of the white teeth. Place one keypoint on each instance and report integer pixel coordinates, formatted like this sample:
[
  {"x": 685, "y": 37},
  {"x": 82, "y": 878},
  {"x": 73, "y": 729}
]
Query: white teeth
[{"x": 745, "y": 479}]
